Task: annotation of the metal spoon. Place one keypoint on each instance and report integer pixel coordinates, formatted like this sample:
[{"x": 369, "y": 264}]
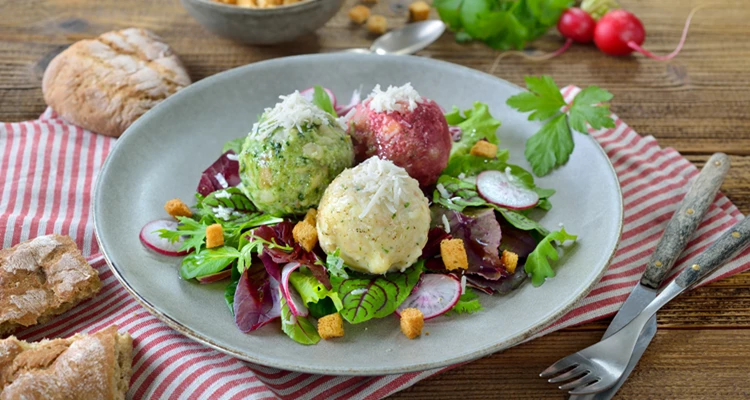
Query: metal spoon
[{"x": 410, "y": 39}]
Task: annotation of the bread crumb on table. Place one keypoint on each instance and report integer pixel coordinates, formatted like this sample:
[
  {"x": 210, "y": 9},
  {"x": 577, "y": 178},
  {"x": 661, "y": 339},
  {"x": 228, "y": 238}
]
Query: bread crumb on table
[
  {"x": 484, "y": 148},
  {"x": 412, "y": 322},
  {"x": 331, "y": 326},
  {"x": 454, "y": 254},
  {"x": 377, "y": 24},
  {"x": 214, "y": 236},
  {"x": 510, "y": 260},
  {"x": 359, "y": 14},
  {"x": 177, "y": 208},
  {"x": 419, "y": 11}
]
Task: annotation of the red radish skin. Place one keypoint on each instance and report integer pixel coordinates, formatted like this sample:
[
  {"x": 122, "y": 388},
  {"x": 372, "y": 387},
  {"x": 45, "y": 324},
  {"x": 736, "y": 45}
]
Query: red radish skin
[
  {"x": 151, "y": 239},
  {"x": 436, "y": 295},
  {"x": 502, "y": 189},
  {"x": 310, "y": 92},
  {"x": 577, "y": 25},
  {"x": 293, "y": 299}
]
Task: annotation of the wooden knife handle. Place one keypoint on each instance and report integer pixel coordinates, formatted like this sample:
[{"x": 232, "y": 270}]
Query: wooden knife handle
[
  {"x": 685, "y": 220},
  {"x": 721, "y": 251}
]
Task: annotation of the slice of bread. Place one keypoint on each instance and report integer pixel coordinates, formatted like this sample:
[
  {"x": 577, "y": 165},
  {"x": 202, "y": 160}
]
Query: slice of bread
[{"x": 96, "y": 366}]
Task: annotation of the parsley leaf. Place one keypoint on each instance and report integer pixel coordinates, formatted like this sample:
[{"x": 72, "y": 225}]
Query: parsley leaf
[
  {"x": 544, "y": 98},
  {"x": 552, "y": 145},
  {"x": 468, "y": 303},
  {"x": 194, "y": 233},
  {"x": 323, "y": 101},
  {"x": 586, "y": 108},
  {"x": 537, "y": 263}
]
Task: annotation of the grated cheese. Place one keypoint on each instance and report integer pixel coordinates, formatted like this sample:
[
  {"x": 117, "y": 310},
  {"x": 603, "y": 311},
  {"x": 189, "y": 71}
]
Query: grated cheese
[
  {"x": 233, "y": 157},
  {"x": 443, "y": 193},
  {"x": 446, "y": 224},
  {"x": 222, "y": 212},
  {"x": 222, "y": 194},
  {"x": 403, "y": 98},
  {"x": 222, "y": 181},
  {"x": 463, "y": 284},
  {"x": 294, "y": 111},
  {"x": 382, "y": 182}
]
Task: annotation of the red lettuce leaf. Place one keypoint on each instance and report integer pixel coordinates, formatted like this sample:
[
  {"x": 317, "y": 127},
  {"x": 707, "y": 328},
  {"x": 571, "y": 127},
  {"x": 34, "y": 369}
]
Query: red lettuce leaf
[
  {"x": 516, "y": 240},
  {"x": 257, "y": 300},
  {"x": 481, "y": 233},
  {"x": 502, "y": 286},
  {"x": 434, "y": 237},
  {"x": 221, "y": 174}
]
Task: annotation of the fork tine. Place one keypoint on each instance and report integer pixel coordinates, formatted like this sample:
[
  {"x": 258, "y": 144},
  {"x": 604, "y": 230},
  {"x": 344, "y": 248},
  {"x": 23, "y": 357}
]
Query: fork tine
[
  {"x": 560, "y": 365},
  {"x": 582, "y": 381},
  {"x": 598, "y": 387},
  {"x": 573, "y": 373}
]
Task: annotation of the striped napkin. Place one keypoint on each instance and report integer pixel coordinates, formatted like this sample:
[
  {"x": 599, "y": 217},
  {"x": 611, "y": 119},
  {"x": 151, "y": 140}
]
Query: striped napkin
[{"x": 47, "y": 172}]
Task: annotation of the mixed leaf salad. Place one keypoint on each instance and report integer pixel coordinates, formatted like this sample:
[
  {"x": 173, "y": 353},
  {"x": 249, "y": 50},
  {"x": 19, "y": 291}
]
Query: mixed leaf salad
[{"x": 279, "y": 262}]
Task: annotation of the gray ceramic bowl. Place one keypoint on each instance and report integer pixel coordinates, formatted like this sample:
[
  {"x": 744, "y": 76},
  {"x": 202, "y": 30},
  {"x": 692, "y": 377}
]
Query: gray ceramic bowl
[{"x": 265, "y": 25}]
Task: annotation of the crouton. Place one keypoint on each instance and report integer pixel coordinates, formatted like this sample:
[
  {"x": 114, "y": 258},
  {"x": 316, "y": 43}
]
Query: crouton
[
  {"x": 484, "y": 148},
  {"x": 510, "y": 260},
  {"x": 331, "y": 326},
  {"x": 454, "y": 254},
  {"x": 377, "y": 24},
  {"x": 412, "y": 322},
  {"x": 177, "y": 208},
  {"x": 311, "y": 216},
  {"x": 359, "y": 14},
  {"x": 306, "y": 235},
  {"x": 419, "y": 11},
  {"x": 214, "y": 236}
]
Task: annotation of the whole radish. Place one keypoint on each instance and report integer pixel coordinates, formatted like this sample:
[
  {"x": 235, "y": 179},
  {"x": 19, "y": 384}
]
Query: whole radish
[
  {"x": 616, "y": 30},
  {"x": 619, "y": 33},
  {"x": 577, "y": 25}
]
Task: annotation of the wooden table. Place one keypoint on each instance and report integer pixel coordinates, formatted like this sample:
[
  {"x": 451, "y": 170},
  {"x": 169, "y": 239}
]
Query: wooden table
[{"x": 698, "y": 103}]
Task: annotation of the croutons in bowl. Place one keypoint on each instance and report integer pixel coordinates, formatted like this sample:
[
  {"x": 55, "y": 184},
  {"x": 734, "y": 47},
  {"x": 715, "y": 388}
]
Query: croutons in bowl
[{"x": 262, "y": 24}]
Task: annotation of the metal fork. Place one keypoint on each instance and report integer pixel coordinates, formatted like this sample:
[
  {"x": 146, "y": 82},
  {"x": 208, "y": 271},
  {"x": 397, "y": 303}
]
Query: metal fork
[{"x": 603, "y": 363}]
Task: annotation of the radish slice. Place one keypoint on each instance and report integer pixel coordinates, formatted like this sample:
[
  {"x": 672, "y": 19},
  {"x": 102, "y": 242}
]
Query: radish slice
[
  {"x": 215, "y": 277},
  {"x": 293, "y": 299},
  {"x": 151, "y": 239},
  {"x": 310, "y": 92},
  {"x": 353, "y": 102},
  {"x": 436, "y": 295},
  {"x": 504, "y": 190}
]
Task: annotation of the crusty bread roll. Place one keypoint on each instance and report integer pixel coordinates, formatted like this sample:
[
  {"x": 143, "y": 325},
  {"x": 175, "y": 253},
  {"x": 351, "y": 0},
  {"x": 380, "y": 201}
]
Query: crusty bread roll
[
  {"x": 83, "y": 367},
  {"x": 105, "y": 84}
]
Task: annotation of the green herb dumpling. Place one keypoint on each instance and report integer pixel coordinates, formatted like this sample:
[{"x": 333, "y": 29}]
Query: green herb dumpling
[{"x": 291, "y": 156}]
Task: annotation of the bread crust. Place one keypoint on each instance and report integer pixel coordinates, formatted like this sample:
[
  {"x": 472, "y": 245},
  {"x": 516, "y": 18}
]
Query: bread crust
[
  {"x": 105, "y": 84},
  {"x": 42, "y": 278},
  {"x": 96, "y": 366}
]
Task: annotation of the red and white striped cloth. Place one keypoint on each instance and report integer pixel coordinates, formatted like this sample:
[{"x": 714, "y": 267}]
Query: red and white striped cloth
[{"x": 48, "y": 168}]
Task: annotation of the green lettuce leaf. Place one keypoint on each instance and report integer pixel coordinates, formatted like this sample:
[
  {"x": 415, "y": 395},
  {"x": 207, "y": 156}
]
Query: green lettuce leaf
[
  {"x": 231, "y": 288},
  {"x": 311, "y": 290},
  {"x": 234, "y": 145},
  {"x": 323, "y": 101},
  {"x": 300, "y": 329},
  {"x": 476, "y": 124},
  {"x": 207, "y": 262},
  {"x": 468, "y": 303},
  {"x": 471, "y": 165},
  {"x": 537, "y": 263},
  {"x": 365, "y": 296}
]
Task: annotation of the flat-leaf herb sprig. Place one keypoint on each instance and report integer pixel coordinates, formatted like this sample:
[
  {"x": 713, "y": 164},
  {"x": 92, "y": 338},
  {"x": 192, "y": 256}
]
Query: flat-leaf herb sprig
[{"x": 552, "y": 145}]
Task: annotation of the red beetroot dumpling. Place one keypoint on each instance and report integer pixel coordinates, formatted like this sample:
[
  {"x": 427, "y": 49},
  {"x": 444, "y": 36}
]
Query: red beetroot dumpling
[{"x": 401, "y": 126}]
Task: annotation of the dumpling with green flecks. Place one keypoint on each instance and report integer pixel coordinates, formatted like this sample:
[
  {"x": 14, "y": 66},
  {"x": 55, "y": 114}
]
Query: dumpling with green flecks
[
  {"x": 291, "y": 156},
  {"x": 376, "y": 216}
]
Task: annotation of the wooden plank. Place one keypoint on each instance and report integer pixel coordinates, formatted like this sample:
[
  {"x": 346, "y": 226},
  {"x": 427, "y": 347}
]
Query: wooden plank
[{"x": 680, "y": 364}]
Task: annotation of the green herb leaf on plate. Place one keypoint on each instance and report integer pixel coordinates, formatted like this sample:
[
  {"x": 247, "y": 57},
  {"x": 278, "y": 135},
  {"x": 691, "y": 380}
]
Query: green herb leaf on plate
[
  {"x": 323, "y": 100},
  {"x": 207, "y": 262},
  {"x": 476, "y": 123},
  {"x": 365, "y": 296},
  {"x": 468, "y": 303},
  {"x": 537, "y": 263},
  {"x": 231, "y": 288},
  {"x": 234, "y": 145},
  {"x": 300, "y": 329},
  {"x": 193, "y": 232},
  {"x": 310, "y": 288},
  {"x": 521, "y": 221}
]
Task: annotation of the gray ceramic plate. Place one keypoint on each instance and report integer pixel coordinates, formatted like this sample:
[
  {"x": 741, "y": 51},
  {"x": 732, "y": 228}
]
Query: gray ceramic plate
[{"x": 161, "y": 156}]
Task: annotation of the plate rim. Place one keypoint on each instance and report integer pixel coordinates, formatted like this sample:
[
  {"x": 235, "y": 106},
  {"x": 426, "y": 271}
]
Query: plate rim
[{"x": 375, "y": 371}]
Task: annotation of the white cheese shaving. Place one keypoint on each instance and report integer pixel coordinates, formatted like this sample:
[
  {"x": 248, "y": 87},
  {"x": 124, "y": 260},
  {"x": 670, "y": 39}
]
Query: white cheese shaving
[
  {"x": 463, "y": 284},
  {"x": 401, "y": 99},
  {"x": 222, "y": 181},
  {"x": 294, "y": 111},
  {"x": 357, "y": 292},
  {"x": 446, "y": 224},
  {"x": 441, "y": 189},
  {"x": 222, "y": 212},
  {"x": 461, "y": 176},
  {"x": 233, "y": 157},
  {"x": 222, "y": 194},
  {"x": 382, "y": 182}
]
